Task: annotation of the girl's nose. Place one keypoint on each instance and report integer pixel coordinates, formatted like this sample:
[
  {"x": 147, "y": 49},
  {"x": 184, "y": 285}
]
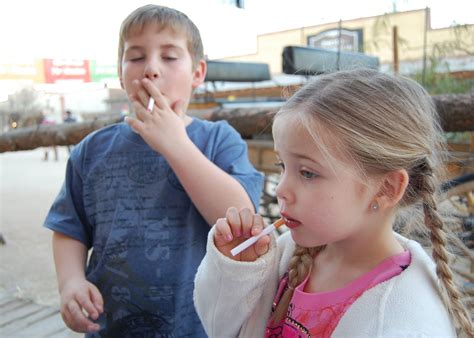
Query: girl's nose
[{"x": 283, "y": 190}]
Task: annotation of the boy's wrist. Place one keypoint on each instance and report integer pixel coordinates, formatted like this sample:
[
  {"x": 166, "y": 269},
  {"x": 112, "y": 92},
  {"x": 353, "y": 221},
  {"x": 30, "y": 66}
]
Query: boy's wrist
[{"x": 182, "y": 152}]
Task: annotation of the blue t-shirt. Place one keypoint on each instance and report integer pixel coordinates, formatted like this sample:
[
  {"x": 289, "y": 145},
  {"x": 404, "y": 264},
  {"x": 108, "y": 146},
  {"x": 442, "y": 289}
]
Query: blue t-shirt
[{"x": 122, "y": 199}]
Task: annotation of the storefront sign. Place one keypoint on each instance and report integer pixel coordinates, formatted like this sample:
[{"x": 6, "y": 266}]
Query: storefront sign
[{"x": 348, "y": 40}]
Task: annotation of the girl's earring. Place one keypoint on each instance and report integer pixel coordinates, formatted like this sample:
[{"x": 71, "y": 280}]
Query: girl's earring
[{"x": 375, "y": 206}]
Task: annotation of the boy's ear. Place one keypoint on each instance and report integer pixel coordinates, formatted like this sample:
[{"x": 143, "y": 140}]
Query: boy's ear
[
  {"x": 199, "y": 73},
  {"x": 392, "y": 188}
]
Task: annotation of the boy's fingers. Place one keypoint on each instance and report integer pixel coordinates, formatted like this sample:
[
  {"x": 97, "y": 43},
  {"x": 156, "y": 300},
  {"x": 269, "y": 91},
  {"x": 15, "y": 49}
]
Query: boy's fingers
[
  {"x": 160, "y": 100},
  {"x": 141, "y": 94},
  {"x": 86, "y": 303},
  {"x": 178, "y": 108},
  {"x": 135, "y": 124},
  {"x": 141, "y": 113},
  {"x": 96, "y": 298},
  {"x": 76, "y": 319}
]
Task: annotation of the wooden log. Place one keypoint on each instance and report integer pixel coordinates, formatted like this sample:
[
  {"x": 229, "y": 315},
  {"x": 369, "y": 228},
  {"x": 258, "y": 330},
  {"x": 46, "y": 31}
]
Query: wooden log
[
  {"x": 50, "y": 135},
  {"x": 456, "y": 114}
]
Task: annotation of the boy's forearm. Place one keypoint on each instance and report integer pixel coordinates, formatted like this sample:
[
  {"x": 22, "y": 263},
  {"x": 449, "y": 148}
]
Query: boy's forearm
[
  {"x": 70, "y": 258},
  {"x": 211, "y": 189}
]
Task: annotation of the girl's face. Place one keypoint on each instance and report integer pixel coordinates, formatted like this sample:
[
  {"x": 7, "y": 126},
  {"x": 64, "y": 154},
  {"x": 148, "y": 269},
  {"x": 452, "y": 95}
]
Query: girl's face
[{"x": 321, "y": 204}]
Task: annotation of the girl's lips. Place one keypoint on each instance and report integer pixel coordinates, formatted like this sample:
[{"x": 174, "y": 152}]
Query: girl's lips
[{"x": 289, "y": 222}]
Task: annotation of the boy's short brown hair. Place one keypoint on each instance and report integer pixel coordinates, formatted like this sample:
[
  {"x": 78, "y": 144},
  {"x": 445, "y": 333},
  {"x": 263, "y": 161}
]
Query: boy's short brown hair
[{"x": 164, "y": 17}]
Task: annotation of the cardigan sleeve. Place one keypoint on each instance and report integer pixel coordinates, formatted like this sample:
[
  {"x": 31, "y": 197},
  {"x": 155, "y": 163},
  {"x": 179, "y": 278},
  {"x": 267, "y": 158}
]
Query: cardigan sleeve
[{"x": 226, "y": 292}]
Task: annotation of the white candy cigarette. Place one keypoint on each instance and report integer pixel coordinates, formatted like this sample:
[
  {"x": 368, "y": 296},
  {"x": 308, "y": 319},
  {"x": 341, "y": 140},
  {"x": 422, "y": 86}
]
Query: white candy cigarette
[
  {"x": 151, "y": 103},
  {"x": 244, "y": 245}
]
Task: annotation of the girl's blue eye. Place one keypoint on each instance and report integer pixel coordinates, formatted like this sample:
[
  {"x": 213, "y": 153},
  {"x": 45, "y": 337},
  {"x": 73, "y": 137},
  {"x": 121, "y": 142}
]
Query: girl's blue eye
[{"x": 308, "y": 174}]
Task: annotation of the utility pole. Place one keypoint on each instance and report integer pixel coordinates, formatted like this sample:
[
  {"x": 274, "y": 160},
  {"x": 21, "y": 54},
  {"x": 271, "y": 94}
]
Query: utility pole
[{"x": 395, "y": 50}]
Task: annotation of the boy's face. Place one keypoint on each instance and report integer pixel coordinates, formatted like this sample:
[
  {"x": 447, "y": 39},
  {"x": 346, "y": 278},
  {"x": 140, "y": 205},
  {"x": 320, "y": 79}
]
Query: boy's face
[{"x": 163, "y": 57}]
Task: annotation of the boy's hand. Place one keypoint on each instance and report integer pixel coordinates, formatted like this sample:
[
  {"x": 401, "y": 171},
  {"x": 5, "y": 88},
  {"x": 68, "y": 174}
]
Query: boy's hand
[
  {"x": 81, "y": 300},
  {"x": 163, "y": 128},
  {"x": 237, "y": 227}
]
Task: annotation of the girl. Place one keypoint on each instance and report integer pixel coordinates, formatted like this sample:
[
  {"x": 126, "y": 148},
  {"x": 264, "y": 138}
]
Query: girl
[{"x": 355, "y": 149}]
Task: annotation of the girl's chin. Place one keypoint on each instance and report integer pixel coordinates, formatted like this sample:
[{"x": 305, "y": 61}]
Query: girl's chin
[{"x": 301, "y": 239}]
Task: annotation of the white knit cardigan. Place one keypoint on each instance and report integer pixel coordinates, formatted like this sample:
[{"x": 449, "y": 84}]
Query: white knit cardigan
[{"x": 234, "y": 299}]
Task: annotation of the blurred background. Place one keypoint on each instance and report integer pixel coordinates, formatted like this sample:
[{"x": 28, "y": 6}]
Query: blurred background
[{"x": 58, "y": 72}]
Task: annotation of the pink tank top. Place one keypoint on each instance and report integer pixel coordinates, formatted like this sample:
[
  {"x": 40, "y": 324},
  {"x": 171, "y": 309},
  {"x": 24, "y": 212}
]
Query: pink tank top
[{"x": 317, "y": 314}]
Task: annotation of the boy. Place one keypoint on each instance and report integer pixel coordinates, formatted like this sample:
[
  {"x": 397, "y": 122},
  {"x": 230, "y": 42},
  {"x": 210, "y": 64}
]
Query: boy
[{"x": 144, "y": 200}]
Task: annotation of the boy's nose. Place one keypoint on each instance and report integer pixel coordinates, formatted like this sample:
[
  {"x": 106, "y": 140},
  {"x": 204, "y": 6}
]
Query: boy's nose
[{"x": 152, "y": 71}]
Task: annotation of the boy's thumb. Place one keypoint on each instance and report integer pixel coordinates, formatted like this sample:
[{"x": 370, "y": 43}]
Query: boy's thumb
[{"x": 178, "y": 107}]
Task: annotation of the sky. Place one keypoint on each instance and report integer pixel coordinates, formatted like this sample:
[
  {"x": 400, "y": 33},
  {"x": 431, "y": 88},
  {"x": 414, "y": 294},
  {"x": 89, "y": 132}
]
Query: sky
[{"x": 88, "y": 29}]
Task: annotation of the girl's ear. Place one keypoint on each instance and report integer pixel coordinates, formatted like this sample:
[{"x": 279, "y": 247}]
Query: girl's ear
[
  {"x": 199, "y": 73},
  {"x": 392, "y": 188}
]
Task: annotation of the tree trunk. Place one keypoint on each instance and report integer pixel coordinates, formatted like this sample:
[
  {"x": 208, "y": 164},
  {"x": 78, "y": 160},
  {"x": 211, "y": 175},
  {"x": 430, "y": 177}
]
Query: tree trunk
[{"x": 456, "y": 114}]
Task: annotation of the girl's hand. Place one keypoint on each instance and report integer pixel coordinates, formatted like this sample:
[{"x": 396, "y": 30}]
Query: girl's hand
[
  {"x": 163, "y": 128},
  {"x": 81, "y": 301},
  {"x": 237, "y": 227}
]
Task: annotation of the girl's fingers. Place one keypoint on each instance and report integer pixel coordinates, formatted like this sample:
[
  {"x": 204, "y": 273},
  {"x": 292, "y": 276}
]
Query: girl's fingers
[
  {"x": 246, "y": 220},
  {"x": 258, "y": 225},
  {"x": 223, "y": 232},
  {"x": 262, "y": 245},
  {"x": 233, "y": 219}
]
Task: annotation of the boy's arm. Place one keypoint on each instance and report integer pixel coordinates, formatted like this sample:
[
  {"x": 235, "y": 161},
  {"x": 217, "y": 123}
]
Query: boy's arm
[
  {"x": 211, "y": 189},
  {"x": 77, "y": 294}
]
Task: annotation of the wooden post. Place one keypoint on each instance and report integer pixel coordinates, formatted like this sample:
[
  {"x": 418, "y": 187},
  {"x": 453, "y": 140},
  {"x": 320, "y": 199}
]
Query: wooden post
[{"x": 395, "y": 50}]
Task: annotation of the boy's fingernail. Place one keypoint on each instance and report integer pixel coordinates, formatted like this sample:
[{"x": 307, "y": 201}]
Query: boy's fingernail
[{"x": 228, "y": 237}]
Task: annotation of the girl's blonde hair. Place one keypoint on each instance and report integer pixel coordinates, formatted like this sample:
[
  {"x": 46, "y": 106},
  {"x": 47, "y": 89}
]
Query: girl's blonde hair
[
  {"x": 164, "y": 17},
  {"x": 382, "y": 123}
]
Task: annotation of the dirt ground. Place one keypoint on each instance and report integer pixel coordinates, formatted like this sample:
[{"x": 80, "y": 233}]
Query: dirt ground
[{"x": 28, "y": 186}]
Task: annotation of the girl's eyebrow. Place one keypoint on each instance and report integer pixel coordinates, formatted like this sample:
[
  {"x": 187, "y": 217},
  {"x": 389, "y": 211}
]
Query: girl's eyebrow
[{"x": 301, "y": 156}]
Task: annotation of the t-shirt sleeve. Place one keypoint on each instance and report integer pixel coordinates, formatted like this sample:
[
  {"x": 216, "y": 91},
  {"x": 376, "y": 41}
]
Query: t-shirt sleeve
[
  {"x": 67, "y": 215},
  {"x": 232, "y": 157}
]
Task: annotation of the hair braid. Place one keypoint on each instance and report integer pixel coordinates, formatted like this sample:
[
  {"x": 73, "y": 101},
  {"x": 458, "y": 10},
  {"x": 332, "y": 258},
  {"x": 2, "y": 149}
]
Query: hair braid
[
  {"x": 298, "y": 269},
  {"x": 450, "y": 293}
]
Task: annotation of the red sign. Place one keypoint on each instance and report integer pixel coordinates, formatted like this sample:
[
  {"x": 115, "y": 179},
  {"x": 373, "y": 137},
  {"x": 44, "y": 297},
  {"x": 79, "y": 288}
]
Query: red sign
[{"x": 60, "y": 70}]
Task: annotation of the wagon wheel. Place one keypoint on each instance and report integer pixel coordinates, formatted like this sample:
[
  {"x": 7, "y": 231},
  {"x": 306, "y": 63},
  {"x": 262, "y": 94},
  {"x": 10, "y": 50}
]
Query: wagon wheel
[
  {"x": 462, "y": 197},
  {"x": 459, "y": 193}
]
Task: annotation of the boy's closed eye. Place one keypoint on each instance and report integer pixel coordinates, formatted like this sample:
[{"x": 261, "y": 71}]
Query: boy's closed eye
[{"x": 169, "y": 57}]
